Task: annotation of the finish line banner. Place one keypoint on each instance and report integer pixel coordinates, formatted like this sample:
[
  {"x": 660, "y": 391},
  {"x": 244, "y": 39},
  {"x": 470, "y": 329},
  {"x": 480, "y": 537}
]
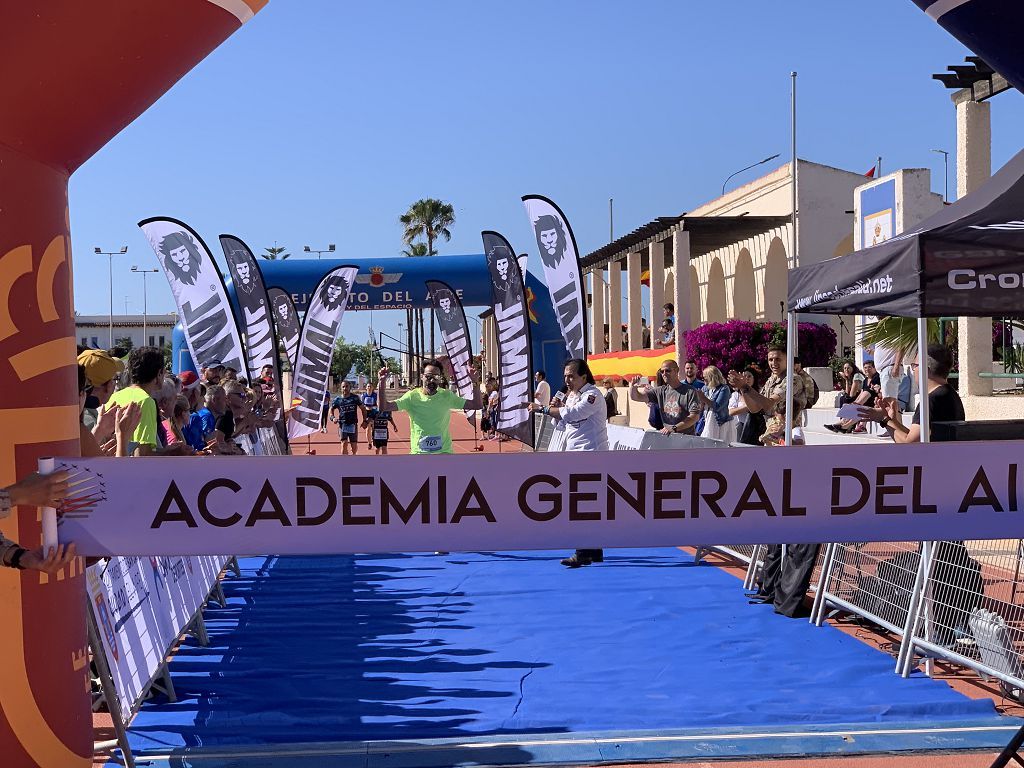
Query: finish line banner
[{"x": 335, "y": 504}]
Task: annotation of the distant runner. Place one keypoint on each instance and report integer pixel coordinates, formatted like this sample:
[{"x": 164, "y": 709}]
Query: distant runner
[
  {"x": 346, "y": 410},
  {"x": 377, "y": 425}
]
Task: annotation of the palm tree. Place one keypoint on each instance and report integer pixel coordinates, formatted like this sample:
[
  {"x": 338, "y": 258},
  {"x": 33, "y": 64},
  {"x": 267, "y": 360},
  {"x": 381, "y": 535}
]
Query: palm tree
[
  {"x": 430, "y": 219},
  {"x": 272, "y": 254},
  {"x": 897, "y": 333},
  {"x": 414, "y": 334}
]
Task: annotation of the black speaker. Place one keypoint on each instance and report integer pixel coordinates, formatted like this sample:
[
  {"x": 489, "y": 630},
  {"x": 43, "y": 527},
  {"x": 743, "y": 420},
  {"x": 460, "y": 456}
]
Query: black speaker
[{"x": 958, "y": 431}]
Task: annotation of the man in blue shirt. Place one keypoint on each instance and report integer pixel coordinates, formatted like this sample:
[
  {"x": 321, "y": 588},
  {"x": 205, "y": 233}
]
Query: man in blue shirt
[
  {"x": 193, "y": 430},
  {"x": 347, "y": 411}
]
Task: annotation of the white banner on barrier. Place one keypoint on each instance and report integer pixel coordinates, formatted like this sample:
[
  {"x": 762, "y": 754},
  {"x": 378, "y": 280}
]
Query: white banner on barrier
[
  {"x": 132, "y": 621},
  {"x": 622, "y": 438},
  {"x": 141, "y": 606},
  {"x": 313, "y": 505}
]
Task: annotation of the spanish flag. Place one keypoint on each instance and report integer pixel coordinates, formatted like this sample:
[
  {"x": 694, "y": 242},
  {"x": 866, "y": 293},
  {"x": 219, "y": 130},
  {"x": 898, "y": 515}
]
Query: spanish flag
[{"x": 626, "y": 365}]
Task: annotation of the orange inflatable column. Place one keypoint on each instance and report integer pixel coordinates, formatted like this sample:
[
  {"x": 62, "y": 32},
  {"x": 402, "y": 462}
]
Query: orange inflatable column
[{"x": 72, "y": 75}]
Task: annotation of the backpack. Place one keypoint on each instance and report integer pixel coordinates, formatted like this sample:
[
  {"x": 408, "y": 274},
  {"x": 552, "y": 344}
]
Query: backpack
[{"x": 812, "y": 396}]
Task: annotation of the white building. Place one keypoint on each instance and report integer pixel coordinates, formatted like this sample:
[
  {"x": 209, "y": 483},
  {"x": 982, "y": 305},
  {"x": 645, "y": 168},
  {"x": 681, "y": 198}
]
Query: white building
[
  {"x": 738, "y": 254},
  {"x": 150, "y": 330}
]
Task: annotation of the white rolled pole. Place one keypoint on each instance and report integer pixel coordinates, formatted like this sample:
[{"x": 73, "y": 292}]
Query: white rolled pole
[
  {"x": 922, "y": 380},
  {"x": 46, "y": 466},
  {"x": 790, "y": 366}
]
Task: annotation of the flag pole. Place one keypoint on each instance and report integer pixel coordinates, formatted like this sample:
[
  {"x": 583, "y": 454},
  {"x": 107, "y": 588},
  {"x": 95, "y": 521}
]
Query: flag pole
[{"x": 791, "y": 317}]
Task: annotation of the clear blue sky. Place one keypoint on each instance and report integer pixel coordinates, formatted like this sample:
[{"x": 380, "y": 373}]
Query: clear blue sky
[{"x": 321, "y": 121}]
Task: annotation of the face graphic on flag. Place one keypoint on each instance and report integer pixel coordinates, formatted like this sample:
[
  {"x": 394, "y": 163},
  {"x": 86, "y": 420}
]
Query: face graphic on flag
[
  {"x": 446, "y": 304},
  {"x": 180, "y": 256},
  {"x": 500, "y": 259},
  {"x": 282, "y": 309},
  {"x": 243, "y": 277},
  {"x": 551, "y": 240},
  {"x": 333, "y": 292}
]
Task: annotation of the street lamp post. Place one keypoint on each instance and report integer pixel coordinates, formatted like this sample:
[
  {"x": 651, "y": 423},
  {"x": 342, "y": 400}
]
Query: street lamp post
[
  {"x": 145, "y": 306},
  {"x": 110, "y": 273},
  {"x": 317, "y": 251},
  {"x": 945, "y": 174},
  {"x": 741, "y": 170}
]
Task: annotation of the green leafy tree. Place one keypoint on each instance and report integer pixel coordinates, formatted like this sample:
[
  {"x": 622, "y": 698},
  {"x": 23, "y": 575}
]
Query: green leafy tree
[
  {"x": 430, "y": 219},
  {"x": 275, "y": 253},
  {"x": 345, "y": 356},
  {"x": 125, "y": 343},
  {"x": 897, "y": 333}
]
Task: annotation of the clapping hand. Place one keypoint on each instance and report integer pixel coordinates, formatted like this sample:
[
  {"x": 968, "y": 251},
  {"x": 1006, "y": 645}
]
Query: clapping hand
[
  {"x": 105, "y": 423},
  {"x": 127, "y": 419},
  {"x": 735, "y": 380},
  {"x": 382, "y": 374}
]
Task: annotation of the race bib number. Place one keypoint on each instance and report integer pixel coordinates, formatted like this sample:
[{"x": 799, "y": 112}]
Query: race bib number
[
  {"x": 380, "y": 434},
  {"x": 348, "y": 429},
  {"x": 431, "y": 443}
]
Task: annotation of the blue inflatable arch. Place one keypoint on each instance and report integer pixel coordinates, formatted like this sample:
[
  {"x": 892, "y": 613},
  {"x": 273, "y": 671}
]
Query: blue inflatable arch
[{"x": 400, "y": 283}]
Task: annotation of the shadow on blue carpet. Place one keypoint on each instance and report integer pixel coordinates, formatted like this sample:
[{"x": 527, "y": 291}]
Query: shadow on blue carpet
[{"x": 390, "y": 647}]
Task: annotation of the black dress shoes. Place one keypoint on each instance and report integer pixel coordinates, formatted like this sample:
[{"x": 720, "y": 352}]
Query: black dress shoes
[
  {"x": 576, "y": 561},
  {"x": 584, "y": 557}
]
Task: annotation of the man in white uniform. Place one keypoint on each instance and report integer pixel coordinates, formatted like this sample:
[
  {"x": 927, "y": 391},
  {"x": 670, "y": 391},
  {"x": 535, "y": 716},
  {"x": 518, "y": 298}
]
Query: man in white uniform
[{"x": 584, "y": 419}]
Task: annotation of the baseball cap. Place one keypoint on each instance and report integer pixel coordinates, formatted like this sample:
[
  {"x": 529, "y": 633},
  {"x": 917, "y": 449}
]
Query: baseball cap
[
  {"x": 99, "y": 366},
  {"x": 189, "y": 380},
  {"x": 214, "y": 364}
]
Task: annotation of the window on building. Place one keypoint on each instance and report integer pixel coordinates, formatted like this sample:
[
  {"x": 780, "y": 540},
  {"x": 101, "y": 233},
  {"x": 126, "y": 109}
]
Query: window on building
[
  {"x": 85, "y": 342},
  {"x": 95, "y": 342},
  {"x": 162, "y": 342},
  {"x": 152, "y": 341}
]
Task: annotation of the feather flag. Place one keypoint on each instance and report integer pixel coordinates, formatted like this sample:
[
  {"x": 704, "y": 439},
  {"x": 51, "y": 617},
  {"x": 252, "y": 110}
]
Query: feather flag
[
  {"x": 511, "y": 317},
  {"x": 561, "y": 260},
  {"x": 320, "y": 329},
  {"x": 198, "y": 288}
]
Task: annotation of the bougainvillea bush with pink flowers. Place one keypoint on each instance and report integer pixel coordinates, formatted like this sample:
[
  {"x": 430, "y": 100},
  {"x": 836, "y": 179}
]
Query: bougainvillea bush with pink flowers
[{"x": 739, "y": 343}]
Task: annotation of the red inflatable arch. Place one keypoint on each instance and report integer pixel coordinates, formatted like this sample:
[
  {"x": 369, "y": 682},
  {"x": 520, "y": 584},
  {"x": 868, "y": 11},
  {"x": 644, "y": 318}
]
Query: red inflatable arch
[{"x": 72, "y": 74}]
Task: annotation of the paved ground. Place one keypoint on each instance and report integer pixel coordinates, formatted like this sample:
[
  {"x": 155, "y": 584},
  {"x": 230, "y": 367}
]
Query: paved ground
[{"x": 967, "y": 683}]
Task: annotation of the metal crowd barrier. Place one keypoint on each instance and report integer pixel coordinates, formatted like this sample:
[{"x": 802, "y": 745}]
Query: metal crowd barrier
[
  {"x": 159, "y": 680},
  {"x": 962, "y": 602}
]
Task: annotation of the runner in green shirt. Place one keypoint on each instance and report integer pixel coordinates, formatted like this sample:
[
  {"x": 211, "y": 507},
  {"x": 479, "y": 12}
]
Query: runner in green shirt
[{"x": 429, "y": 408}]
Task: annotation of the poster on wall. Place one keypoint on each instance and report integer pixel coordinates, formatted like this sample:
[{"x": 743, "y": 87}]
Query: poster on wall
[
  {"x": 877, "y": 206},
  {"x": 877, "y": 213}
]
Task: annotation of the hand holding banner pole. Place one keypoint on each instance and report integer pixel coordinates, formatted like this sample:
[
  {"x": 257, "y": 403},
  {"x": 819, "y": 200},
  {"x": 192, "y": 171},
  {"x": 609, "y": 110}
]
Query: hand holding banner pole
[{"x": 46, "y": 466}]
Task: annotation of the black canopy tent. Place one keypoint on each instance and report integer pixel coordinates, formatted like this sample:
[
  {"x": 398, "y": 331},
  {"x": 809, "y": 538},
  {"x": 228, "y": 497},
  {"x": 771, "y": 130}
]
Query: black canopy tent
[{"x": 967, "y": 260}]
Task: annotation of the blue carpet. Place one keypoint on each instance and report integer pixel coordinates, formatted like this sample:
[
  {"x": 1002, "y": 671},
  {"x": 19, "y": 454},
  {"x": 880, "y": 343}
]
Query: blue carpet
[{"x": 387, "y": 647}]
